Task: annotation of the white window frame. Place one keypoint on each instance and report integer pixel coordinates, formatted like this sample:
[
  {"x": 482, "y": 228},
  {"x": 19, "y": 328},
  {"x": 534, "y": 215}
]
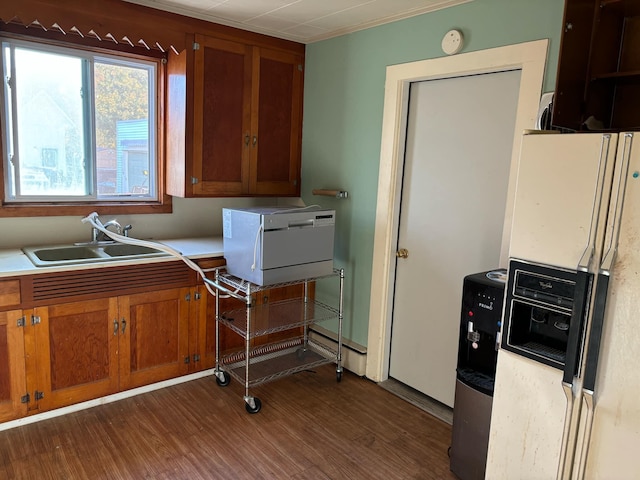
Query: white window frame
[{"x": 9, "y": 129}]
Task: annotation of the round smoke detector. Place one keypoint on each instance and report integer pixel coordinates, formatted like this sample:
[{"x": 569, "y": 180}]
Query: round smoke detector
[{"x": 452, "y": 42}]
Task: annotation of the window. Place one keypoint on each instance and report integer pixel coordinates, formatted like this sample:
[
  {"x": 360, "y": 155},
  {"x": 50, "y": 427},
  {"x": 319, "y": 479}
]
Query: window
[{"x": 78, "y": 126}]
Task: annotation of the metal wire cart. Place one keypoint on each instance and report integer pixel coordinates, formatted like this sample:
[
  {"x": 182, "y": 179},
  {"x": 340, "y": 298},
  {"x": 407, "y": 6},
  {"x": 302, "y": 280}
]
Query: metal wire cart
[{"x": 263, "y": 362}]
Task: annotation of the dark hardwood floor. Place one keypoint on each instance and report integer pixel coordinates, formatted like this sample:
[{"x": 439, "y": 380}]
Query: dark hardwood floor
[{"x": 310, "y": 427}]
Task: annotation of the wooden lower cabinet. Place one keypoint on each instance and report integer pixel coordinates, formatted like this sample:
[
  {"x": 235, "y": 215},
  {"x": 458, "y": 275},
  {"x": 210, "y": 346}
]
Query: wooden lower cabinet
[
  {"x": 205, "y": 356},
  {"x": 84, "y": 350},
  {"x": 60, "y": 354},
  {"x": 276, "y": 295},
  {"x": 229, "y": 340},
  {"x": 72, "y": 353},
  {"x": 12, "y": 366},
  {"x": 154, "y": 341}
]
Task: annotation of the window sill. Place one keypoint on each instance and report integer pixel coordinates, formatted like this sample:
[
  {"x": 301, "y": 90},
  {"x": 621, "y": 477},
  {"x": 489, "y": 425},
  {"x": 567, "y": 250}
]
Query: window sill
[{"x": 64, "y": 209}]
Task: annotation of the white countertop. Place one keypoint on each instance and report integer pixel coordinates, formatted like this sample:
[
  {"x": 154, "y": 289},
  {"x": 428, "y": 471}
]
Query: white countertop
[{"x": 14, "y": 262}]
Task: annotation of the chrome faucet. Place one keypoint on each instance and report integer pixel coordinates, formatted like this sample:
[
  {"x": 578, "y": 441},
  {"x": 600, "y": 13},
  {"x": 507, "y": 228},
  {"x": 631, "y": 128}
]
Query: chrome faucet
[{"x": 99, "y": 236}]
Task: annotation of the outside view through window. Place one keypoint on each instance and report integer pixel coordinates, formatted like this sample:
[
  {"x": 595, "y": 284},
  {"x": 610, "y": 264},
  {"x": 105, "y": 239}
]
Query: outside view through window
[{"x": 73, "y": 137}]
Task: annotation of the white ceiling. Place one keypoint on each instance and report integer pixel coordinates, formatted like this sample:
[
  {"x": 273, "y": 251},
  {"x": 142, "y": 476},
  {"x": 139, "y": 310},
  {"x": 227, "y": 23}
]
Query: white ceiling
[{"x": 304, "y": 21}]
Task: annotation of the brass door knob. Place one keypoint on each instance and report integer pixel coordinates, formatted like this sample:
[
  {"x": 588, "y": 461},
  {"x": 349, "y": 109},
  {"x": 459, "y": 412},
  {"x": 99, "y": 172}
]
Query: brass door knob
[{"x": 402, "y": 253}]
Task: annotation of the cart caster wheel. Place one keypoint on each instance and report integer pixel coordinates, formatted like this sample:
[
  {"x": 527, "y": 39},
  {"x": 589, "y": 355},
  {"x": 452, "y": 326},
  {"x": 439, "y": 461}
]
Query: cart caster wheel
[
  {"x": 256, "y": 408},
  {"x": 339, "y": 375},
  {"x": 224, "y": 381}
]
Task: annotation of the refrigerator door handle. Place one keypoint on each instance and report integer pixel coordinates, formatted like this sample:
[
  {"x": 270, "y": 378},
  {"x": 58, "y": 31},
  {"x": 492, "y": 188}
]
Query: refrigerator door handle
[
  {"x": 591, "y": 364},
  {"x": 593, "y": 351},
  {"x": 595, "y": 336},
  {"x": 617, "y": 197},
  {"x": 584, "y": 277},
  {"x": 604, "y": 274},
  {"x": 584, "y": 263},
  {"x": 588, "y": 400},
  {"x": 566, "y": 437},
  {"x": 582, "y": 289},
  {"x": 600, "y": 304},
  {"x": 576, "y": 327}
]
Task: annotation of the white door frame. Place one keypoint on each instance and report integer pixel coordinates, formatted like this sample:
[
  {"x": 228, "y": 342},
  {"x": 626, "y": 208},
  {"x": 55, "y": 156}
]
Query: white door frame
[{"x": 530, "y": 58}]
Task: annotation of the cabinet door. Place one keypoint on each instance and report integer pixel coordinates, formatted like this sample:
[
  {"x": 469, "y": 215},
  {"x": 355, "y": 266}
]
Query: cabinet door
[
  {"x": 12, "y": 367},
  {"x": 274, "y": 295},
  {"x": 75, "y": 352},
  {"x": 598, "y": 86},
  {"x": 222, "y": 111},
  {"x": 153, "y": 337},
  {"x": 276, "y": 123},
  {"x": 229, "y": 340},
  {"x": 262, "y": 319},
  {"x": 202, "y": 335}
]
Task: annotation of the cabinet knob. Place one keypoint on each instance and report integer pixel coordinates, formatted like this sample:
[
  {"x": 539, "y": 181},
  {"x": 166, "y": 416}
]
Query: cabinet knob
[
  {"x": 402, "y": 253},
  {"x": 246, "y": 140}
]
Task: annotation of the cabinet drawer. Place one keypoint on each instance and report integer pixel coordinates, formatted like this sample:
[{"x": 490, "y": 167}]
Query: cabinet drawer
[{"x": 9, "y": 293}]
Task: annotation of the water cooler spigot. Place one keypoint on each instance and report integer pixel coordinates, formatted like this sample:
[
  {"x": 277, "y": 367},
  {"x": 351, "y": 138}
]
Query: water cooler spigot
[{"x": 472, "y": 335}]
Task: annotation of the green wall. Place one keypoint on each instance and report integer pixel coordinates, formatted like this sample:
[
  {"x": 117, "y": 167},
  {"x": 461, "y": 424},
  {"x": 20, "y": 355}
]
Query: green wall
[{"x": 343, "y": 103}]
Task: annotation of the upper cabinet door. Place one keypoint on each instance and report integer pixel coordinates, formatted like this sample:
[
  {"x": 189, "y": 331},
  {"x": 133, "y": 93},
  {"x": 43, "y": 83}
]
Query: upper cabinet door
[
  {"x": 222, "y": 117},
  {"x": 234, "y": 120},
  {"x": 598, "y": 81},
  {"x": 276, "y": 123}
]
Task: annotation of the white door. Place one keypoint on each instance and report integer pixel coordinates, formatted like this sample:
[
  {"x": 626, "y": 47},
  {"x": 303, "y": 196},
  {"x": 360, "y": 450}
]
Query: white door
[{"x": 456, "y": 173}]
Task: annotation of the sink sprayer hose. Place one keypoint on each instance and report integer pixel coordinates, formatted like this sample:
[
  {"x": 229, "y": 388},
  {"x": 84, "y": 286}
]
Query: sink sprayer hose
[{"x": 94, "y": 220}]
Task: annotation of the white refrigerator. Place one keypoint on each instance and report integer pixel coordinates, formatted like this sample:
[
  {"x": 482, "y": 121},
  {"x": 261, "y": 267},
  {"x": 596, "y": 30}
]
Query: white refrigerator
[{"x": 572, "y": 413}]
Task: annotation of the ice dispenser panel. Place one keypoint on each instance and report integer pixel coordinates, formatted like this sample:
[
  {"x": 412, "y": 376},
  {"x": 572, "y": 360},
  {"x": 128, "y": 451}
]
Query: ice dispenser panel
[{"x": 539, "y": 307}]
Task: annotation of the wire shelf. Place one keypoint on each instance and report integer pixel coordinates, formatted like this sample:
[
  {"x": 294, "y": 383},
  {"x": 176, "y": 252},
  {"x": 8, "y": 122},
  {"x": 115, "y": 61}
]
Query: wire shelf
[
  {"x": 291, "y": 318},
  {"x": 241, "y": 289},
  {"x": 270, "y": 362},
  {"x": 277, "y": 316}
]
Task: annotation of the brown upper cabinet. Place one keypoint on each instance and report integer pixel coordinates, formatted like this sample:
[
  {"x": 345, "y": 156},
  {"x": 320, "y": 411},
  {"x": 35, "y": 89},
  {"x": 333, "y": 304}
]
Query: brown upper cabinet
[
  {"x": 234, "y": 120},
  {"x": 598, "y": 82}
]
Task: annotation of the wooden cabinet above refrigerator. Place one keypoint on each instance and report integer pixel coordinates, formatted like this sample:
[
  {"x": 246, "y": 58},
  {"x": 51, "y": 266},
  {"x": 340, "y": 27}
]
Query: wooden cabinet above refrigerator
[
  {"x": 234, "y": 119},
  {"x": 598, "y": 81}
]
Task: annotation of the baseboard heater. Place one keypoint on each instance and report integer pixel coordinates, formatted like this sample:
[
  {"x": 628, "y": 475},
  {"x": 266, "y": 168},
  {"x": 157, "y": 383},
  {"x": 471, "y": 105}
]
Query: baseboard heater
[{"x": 354, "y": 355}]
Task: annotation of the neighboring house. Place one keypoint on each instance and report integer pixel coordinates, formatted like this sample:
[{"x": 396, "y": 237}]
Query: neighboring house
[
  {"x": 132, "y": 156},
  {"x": 50, "y": 159},
  {"x": 125, "y": 169},
  {"x": 107, "y": 166}
]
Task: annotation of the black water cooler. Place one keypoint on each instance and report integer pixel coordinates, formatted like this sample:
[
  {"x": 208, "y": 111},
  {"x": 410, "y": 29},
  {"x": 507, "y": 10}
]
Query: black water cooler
[{"x": 482, "y": 296}]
